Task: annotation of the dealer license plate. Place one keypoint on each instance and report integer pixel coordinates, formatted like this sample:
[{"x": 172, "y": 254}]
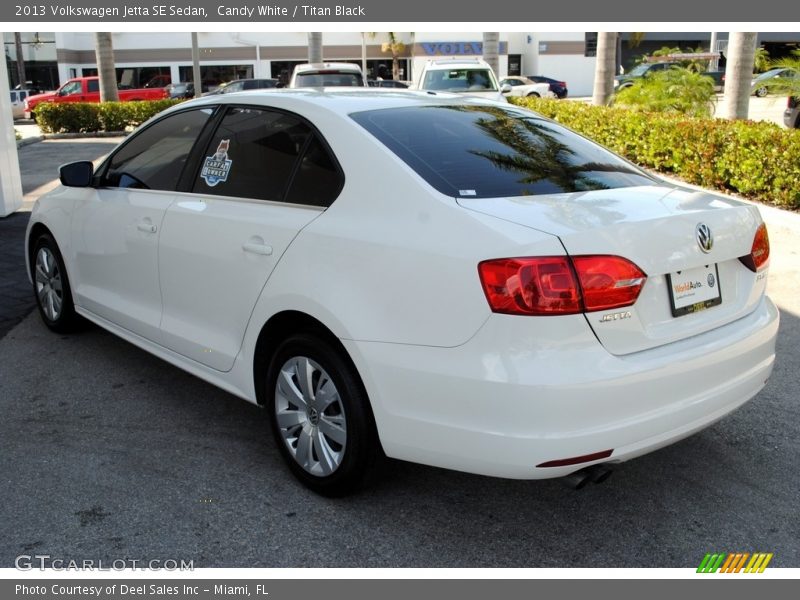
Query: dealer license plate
[{"x": 693, "y": 290}]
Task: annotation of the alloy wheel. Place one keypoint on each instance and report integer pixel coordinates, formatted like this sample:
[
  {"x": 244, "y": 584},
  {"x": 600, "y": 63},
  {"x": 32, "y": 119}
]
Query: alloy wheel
[
  {"x": 49, "y": 287},
  {"x": 310, "y": 416}
]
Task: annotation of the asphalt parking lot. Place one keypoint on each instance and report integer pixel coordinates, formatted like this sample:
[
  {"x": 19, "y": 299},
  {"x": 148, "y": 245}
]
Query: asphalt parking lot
[{"x": 107, "y": 452}]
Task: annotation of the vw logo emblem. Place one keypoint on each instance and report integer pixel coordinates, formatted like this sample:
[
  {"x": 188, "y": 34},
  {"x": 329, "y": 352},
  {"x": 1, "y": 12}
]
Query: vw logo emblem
[{"x": 704, "y": 238}]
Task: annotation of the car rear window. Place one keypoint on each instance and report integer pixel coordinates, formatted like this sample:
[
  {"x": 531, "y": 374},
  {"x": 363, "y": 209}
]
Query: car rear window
[
  {"x": 489, "y": 152},
  {"x": 459, "y": 80},
  {"x": 329, "y": 79}
]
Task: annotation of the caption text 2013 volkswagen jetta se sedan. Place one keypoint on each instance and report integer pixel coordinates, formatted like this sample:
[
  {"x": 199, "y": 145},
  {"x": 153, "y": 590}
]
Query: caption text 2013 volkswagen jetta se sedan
[{"x": 445, "y": 280}]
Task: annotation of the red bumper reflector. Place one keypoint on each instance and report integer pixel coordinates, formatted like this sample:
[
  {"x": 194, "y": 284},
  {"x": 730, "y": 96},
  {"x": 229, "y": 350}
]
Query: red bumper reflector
[{"x": 565, "y": 462}]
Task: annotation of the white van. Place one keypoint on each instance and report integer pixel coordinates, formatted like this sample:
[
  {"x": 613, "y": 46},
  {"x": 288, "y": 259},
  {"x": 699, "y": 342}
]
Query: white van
[
  {"x": 469, "y": 77},
  {"x": 18, "y": 103}
]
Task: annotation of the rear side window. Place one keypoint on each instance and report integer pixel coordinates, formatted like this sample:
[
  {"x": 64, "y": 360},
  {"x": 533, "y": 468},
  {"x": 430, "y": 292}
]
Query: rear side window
[
  {"x": 93, "y": 85},
  {"x": 318, "y": 180},
  {"x": 253, "y": 154},
  {"x": 154, "y": 158},
  {"x": 489, "y": 152}
]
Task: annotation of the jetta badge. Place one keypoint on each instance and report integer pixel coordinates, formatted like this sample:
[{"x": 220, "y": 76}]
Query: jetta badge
[{"x": 704, "y": 238}]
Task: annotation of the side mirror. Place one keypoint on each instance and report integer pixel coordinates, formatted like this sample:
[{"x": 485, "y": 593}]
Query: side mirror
[
  {"x": 77, "y": 174},
  {"x": 505, "y": 89}
]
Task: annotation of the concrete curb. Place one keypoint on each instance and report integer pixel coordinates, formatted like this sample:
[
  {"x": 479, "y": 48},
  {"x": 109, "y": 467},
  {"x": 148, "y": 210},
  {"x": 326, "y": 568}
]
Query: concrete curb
[{"x": 70, "y": 136}]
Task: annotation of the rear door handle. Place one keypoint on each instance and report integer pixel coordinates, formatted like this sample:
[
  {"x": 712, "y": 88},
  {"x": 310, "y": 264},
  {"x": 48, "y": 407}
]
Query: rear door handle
[
  {"x": 146, "y": 225},
  {"x": 257, "y": 248}
]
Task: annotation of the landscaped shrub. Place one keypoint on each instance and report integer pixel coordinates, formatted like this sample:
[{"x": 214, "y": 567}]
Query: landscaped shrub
[
  {"x": 755, "y": 159},
  {"x": 82, "y": 117},
  {"x": 675, "y": 90}
]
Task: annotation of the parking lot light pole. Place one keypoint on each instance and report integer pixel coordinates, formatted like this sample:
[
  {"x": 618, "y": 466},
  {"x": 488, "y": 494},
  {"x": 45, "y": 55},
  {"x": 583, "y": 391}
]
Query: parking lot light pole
[
  {"x": 196, "y": 77},
  {"x": 10, "y": 180}
]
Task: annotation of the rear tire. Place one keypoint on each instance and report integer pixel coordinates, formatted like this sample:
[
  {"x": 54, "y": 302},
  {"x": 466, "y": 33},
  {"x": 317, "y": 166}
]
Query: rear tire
[
  {"x": 320, "y": 416},
  {"x": 51, "y": 286},
  {"x": 534, "y": 95}
]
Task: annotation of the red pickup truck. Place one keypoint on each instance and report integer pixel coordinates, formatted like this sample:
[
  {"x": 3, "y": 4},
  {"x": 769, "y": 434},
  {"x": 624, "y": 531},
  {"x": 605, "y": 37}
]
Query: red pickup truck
[{"x": 87, "y": 89}]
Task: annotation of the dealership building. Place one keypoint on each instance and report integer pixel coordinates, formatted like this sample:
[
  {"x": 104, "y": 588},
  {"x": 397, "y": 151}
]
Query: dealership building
[{"x": 153, "y": 58}]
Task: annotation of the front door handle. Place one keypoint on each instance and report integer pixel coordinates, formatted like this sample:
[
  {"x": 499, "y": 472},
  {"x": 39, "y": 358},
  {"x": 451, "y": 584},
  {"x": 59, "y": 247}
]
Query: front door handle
[{"x": 257, "y": 248}]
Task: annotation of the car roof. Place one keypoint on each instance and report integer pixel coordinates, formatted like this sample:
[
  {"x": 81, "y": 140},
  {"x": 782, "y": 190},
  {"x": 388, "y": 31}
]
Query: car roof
[
  {"x": 341, "y": 100},
  {"x": 327, "y": 66},
  {"x": 461, "y": 63}
]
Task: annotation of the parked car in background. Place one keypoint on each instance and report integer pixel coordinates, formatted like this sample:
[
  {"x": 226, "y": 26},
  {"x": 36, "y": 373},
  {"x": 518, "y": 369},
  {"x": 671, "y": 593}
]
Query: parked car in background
[
  {"x": 645, "y": 69},
  {"x": 470, "y": 77},
  {"x": 241, "y": 85},
  {"x": 182, "y": 89},
  {"x": 522, "y": 86},
  {"x": 764, "y": 83},
  {"x": 387, "y": 83},
  {"x": 327, "y": 75},
  {"x": 87, "y": 89},
  {"x": 516, "y": 301},
  {"x": 18, "y": 102},
  {"x": 791, "y": 116},
  {"x": 558, "y": 87}
]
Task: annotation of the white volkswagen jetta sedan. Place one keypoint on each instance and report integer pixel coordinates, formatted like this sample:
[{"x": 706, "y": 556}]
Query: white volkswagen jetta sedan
[{"x": 445, "y": 280}]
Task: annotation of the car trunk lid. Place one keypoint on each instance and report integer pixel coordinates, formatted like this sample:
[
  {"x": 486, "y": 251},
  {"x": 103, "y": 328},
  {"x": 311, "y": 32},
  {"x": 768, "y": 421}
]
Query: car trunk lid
[{"x": 656, "y": 227}]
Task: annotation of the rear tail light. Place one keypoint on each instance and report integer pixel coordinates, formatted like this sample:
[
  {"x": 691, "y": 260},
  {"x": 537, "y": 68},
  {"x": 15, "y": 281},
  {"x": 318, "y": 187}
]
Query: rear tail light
[
  {"x": 759, "y": 254},
  {"x": 531, "y": 286},
  {"x": 608, "y": 281},
  {"x": 558, "y": 285},
  {"x": 562, "y": 83}
]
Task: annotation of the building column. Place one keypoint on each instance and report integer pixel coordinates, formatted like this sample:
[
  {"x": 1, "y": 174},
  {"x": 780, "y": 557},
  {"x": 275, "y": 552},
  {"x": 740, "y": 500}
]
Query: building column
[{"x": 10, "y": 180}]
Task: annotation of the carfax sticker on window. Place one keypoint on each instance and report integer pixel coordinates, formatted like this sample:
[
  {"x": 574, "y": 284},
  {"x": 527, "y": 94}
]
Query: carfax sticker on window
[{"x": 217, "y": 166}]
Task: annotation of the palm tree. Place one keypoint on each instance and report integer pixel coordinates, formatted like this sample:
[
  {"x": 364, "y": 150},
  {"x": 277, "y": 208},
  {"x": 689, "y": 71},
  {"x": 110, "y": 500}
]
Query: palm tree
[
  {"x": 491, "y": 51},
  {"x": 739, "y": 74},
  {"x": 762, "y": 62},
  {"x": 104, "y": 54},
  {"x": 396, "y": 47},
  {"x": 315, "y": 47},
  {"x": 20, "y": 60},
  {"x": 604, "y": 69}
]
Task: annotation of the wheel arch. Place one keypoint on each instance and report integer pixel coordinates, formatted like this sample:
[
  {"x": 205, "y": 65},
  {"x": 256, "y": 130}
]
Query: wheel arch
[{"x": 280, "y": 326}]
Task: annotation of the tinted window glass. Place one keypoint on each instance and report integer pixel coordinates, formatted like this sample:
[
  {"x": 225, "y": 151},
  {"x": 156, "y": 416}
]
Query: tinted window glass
[
  {"x": 252, "y": 154},
  {"x": 329, "y": 78},
  {"x": 487, "y": 151},
  {"x": 459, "y": 80},
  {"x": 93, "y": 85},
  {"x": 154, "y": 158},
  {"x": 317, "y": 181}
]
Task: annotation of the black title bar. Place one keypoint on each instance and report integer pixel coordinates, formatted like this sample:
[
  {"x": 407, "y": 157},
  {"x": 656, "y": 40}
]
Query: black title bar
[{"x": 468, "y": 11}]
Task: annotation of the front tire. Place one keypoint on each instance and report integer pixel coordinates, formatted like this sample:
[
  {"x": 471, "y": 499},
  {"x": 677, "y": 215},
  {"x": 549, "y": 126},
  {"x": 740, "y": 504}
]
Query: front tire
[
  {"x": 320, "y": 416},
  {"x": 51, "y": 286},
  {"x": 762, "y": 91},
  {"x": 534, "y": 95}
]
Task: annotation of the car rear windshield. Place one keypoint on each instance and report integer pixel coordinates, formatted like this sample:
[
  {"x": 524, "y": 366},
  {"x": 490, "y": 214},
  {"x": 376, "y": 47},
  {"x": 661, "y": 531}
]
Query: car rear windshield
[
  {"x": 459, "y": 80},
  {"x": 329, "y": 79},
  {"x": 490, "y": 152}
]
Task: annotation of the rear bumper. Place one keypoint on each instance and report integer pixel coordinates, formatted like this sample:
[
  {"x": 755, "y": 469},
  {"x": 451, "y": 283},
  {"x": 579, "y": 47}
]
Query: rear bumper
[{"x": 521, "y": 393}]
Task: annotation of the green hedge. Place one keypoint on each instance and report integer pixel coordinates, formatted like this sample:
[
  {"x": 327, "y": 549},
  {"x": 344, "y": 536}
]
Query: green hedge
[
  {"x": 83, "y": 117},
  {"x": 755, "y": 159}
]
